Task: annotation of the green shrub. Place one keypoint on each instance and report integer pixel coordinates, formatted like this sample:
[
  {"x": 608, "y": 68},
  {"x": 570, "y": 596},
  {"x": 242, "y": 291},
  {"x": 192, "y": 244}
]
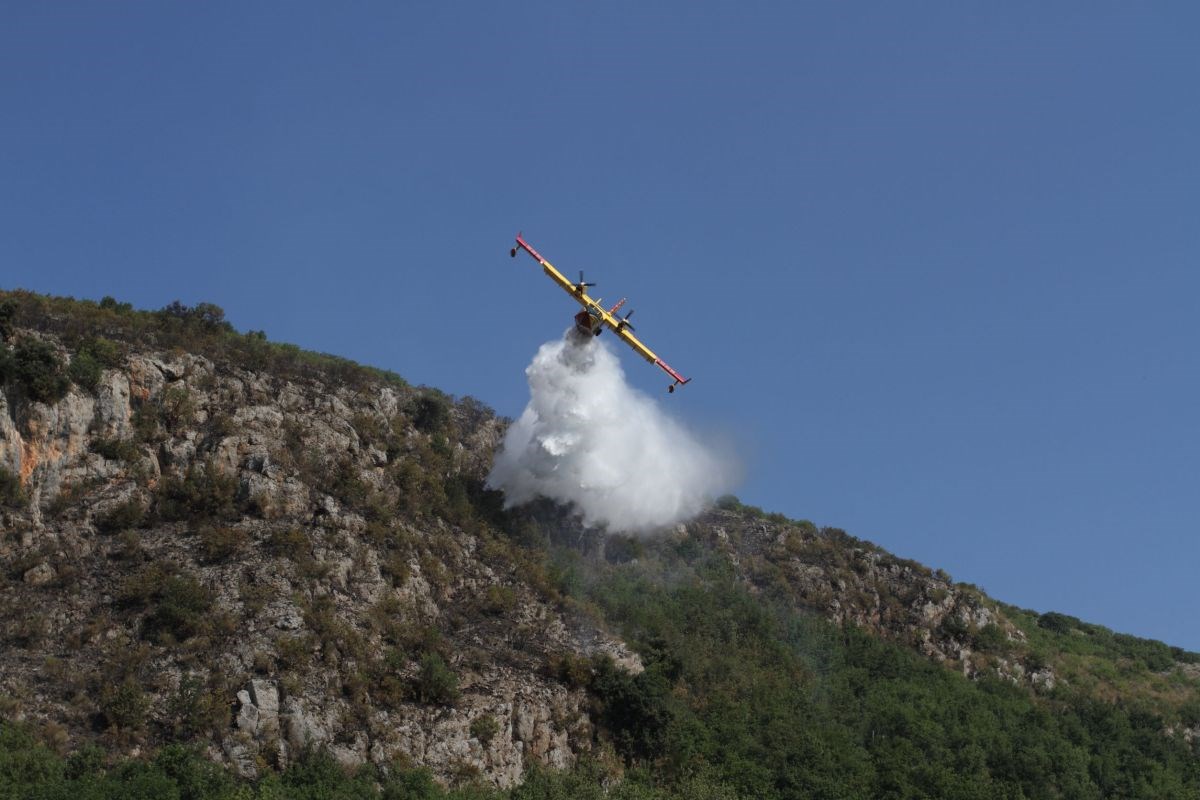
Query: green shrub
[
  {"x": 138, "y": 589},
  {"x": 295, "y": 652},
  {"x": 637, "y": 710},
  {"x": 195, "y": 709},
  {"x": 1059, "y": 623},
  {"x": 434, "y": 570},
  {"x": 430, "y": 412},
  {"x": 333, "y": 634},
  {"x": 207, "y": 315},
  {"x": 28, "y": 629},
  {"x": 436, "y": 683},
  {"x": 116, "y": 449},
  {"x": 91, "y": 358},
  {"x": 179, "y": 610},
  {"x": 85, "y": 371},
  {"x": 1185, "y": 656},
  {"x": 422, "y": 492},
  {"x": 221, "y": 425},
  {"x": 316, "y": 775},
  {"x": 623, "y": 549},
  {"x": 394, "y": 566},
  {"x": 124, "y": 706},
  {"x": 1036, "y": 660},
  {"x": 8, "y": 310},
  {"x": 12, "y": 494},
  {"x": 371, "y": 429},
  {"x": 87, "y": 760},
  {"x": 953, "y": 626},
  {"x": 177, "y": 407},
  {"x": 457, "y": 508},
  {"x": 38, "y": 371},
  {"x": 345, "y": 483},
  {"x": 121, "y": 517},
  {"x": 485, "y": 728},
  {"x": 990, "y": 639},
  {"x": 415, "y": 784},
  {"x": 728, "y": 502},
  {"x": 498, "y": 599},
  {"x": 146, "y": 427},
  {"x": 106, "y": 352},
  {"x": 220, "y": 543},
  {"x": 571, "y": 670},
  {"x": 255, "y": 596},
  {"x": 1154, "y": 655},
  {"x": 204, "y": 492},
  {"x": 292, "y": 544},
  {"x": 110, "y": 303},
  {"x": 1189, "y": 713},
  {"x": 69, "y": 496}
]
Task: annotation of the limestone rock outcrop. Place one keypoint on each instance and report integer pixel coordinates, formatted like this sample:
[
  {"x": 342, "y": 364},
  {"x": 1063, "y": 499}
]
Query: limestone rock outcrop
[{"x": 266, "y": 562}]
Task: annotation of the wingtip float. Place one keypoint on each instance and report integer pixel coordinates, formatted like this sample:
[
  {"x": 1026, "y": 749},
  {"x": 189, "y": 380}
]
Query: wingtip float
[{"x": 594, "y": 318}]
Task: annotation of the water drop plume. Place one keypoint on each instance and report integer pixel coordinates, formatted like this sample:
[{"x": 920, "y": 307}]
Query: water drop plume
[{"x": 590, "y": 440}]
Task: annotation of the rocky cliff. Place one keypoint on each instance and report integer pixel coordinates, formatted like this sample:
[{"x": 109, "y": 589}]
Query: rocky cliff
[
  {"x": 211, "y": 538},
  {"x": 270, "y": 564}
]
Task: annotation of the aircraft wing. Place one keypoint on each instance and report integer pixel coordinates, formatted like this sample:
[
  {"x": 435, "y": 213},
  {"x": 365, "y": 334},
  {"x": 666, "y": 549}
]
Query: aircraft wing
[
  {"x": 578, "y": 291},
  {"x": 622, "y": 331}
]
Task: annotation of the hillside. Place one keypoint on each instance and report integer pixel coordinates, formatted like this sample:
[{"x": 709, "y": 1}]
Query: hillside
[{"x": 288, "y": 563}]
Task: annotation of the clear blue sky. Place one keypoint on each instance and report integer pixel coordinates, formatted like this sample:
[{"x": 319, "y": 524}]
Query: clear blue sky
[{"x": 934, "y": 266}]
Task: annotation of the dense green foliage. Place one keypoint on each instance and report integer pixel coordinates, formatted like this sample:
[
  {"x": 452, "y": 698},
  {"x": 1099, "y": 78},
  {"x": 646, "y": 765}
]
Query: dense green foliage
[
  {"x": 36, "y": 369},
  {"x": 30, "y": 770},
  {"x": 777, "y": 705},
  {"x": 8, "y": 310},
  {"x": 1077, "y": 636},
  {"x": 93, "y": 356}
]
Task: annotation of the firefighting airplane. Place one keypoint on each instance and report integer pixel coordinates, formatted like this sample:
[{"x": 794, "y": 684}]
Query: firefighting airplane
[{"x": 593, "y": 319}]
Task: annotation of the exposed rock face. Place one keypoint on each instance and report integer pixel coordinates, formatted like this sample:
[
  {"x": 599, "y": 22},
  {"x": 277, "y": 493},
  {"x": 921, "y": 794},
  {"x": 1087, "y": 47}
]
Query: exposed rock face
[
  {"x": 268, "y": 564},
  {"x": 848, "y": 580}
]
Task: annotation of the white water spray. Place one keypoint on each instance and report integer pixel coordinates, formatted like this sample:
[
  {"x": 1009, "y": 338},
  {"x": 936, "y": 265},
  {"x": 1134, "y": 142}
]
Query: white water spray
[{"x": 590, "y": 440}]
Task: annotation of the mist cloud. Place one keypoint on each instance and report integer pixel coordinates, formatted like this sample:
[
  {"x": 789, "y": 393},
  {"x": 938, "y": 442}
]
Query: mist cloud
[{"x": 590, "y": 440}]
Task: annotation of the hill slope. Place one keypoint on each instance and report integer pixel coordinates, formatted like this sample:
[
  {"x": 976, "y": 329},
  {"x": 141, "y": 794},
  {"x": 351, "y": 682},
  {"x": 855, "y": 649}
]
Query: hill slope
[{"x": 213, "y": 539}]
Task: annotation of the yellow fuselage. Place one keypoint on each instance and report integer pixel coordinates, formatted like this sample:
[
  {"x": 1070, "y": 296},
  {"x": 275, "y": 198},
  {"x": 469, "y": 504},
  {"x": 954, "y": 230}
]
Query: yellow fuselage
[{"x": 598, "y": 313}]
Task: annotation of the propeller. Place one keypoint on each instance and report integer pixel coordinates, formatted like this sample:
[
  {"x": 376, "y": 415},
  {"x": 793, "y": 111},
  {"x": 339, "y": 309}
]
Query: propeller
[
  {"x": 582, "y": 283},
  {"x": 625, "y": 323}
]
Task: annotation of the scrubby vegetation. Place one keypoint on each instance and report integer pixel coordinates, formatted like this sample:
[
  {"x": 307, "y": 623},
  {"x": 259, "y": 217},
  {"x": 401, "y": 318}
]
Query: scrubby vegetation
[
  {"x": 198, "y": 329},
  {"x": 1070, "y": 634},
  {"x": 31, "y": 770},
  {"x": 748, "y": 691},
  {"x": 739, "y": 699},
  {"x": 768, "y": 703},
  {"x": 11, "y": 493}
]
